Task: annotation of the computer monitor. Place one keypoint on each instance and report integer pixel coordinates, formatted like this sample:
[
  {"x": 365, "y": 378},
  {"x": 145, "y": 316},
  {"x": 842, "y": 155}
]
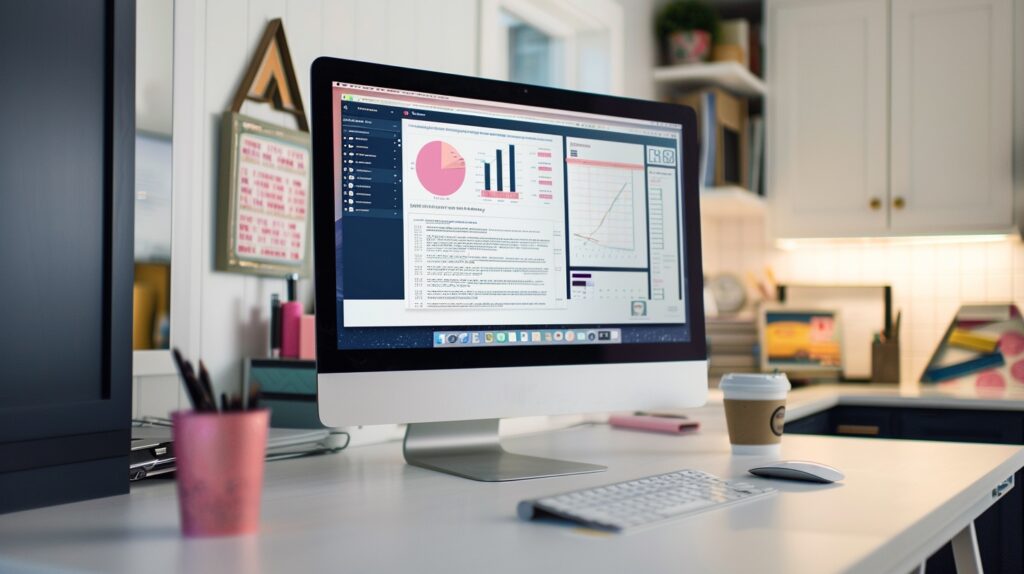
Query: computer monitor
[{"x": 487, "y": 249}]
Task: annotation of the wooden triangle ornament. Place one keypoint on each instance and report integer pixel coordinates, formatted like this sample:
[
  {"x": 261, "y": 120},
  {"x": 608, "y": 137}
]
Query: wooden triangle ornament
[{"x": 270, "y": 77}]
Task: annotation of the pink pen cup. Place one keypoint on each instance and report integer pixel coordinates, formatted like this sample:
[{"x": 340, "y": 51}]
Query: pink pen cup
[{"x": 219, "y": 459}]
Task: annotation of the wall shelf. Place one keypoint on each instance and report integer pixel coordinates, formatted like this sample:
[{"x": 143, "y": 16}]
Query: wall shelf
[
  {"x": 730, "y": 76},
  {"x": 731, "y": 201}
]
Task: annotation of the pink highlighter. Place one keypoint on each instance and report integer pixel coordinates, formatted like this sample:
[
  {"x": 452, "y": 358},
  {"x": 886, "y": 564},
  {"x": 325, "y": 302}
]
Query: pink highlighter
[
  {"x": 291, "y": 319},
  {"x": 671, "y": 425}
]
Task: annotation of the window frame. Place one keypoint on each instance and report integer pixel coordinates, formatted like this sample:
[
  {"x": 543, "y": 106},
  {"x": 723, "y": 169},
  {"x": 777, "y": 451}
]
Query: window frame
[{"x": 565, "y": 21}]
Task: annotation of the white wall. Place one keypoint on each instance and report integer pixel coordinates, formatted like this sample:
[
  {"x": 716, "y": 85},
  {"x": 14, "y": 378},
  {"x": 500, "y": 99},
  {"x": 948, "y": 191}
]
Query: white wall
[
  {"x": 641, "y": 47},
  {"x": 436, "y": 34},
  {"x": 233, "y": 310},
  {"x": 153, "y": 47}
]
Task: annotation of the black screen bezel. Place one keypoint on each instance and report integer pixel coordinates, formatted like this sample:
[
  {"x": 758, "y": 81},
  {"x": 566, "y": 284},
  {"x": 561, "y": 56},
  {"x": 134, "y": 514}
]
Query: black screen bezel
[{"x": 330, "y": 359}]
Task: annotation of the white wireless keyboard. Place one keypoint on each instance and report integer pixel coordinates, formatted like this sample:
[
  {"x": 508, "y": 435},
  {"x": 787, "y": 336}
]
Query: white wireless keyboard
[{"x": 644, "y": 501}]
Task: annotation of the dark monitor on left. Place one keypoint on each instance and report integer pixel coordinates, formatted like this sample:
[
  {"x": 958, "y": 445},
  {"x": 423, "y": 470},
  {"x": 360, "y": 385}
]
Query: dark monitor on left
[{"x": 66, "y": 228}]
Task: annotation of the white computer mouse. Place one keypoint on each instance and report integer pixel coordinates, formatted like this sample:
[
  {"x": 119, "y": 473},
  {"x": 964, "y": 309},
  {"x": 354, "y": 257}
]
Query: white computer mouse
[{"x": 798, "y": 470}]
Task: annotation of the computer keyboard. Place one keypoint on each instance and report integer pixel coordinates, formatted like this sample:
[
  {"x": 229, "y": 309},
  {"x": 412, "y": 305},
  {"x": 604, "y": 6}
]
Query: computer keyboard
[{"x": 645, "y": 501}]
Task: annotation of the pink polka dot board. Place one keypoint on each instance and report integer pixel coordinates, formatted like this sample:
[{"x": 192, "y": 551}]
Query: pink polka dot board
[{"x": 983, "y": 348}]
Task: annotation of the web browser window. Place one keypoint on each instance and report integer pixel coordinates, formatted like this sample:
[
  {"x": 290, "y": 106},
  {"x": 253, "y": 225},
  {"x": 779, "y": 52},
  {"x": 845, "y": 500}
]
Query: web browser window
[{"x": 462, "y": 222}]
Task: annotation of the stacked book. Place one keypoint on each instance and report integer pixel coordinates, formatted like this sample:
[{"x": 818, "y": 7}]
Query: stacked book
[{"x": 732, "y": 347}]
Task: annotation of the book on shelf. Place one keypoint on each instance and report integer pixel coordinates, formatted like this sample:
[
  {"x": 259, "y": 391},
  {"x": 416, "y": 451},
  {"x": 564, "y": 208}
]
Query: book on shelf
[
  {"x": 731, "y": 324},
  {"x": 754, "y": 42},
  {"x": 756, "y": 169},
  {"x": 722, "y": 119},
  {"x": 732, "y": 346},
  {"x": 742, "y": 345},
  {"x": 718, "y": 372},
  {"x": 747, "y": 360}
]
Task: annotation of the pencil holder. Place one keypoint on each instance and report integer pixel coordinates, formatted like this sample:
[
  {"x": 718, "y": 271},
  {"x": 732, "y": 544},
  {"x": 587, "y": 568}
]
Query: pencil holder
[
  {"x": 885, "y": 362},
  {"x": 219, "y": 466}
]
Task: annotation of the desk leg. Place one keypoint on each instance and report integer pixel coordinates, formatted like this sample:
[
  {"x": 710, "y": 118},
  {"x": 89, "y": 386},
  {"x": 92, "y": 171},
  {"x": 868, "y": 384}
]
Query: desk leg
[{"x": 965, "y": 551}]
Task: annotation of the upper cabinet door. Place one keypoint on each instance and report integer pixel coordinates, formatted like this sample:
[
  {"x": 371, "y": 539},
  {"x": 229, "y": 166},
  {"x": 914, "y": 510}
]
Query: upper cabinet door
[
  {"x": 952, "y": 115},
  {"x": 828, "y": 131}
]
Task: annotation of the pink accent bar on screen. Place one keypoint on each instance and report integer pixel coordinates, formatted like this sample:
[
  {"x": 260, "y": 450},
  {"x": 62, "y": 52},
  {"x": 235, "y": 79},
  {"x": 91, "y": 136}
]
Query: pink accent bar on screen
[
  {"x": 543, "y": 168},
  {"x": 543, "y": 154},
  {"x": 544, "y": 181},
  {"x": 545, "y": 196},
  {"x": 499, "y": 194},
  {"x": 598, "y": 163}
]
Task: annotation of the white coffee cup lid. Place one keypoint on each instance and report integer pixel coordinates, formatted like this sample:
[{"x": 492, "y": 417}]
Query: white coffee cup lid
[{"x": 755, "y": 386}]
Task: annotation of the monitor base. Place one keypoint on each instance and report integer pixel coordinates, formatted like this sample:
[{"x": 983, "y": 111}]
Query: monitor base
[{"x": 472, "y": 449}]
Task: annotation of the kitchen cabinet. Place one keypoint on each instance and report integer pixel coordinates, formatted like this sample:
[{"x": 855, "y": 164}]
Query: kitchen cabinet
[
  {"x": 827, "y": 152},
  {"x": 1000, "y": 529},
  {"x": 889, "y": 117},
  {"x": 952, "y": 111}
]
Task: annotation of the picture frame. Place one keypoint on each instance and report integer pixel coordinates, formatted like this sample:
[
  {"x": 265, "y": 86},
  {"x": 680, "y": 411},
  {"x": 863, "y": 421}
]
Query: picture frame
[
  {"x": 264, "y": 203},
  {"x": 803, "y": 343}
]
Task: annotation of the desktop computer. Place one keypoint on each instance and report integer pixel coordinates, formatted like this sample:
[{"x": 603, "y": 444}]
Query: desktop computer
[{"x": 487, "y": 249}]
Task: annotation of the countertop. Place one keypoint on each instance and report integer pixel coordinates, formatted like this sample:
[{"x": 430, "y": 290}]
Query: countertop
[
  {"x": 805, "y": 401},
  {"x": 364, "y": 510}
]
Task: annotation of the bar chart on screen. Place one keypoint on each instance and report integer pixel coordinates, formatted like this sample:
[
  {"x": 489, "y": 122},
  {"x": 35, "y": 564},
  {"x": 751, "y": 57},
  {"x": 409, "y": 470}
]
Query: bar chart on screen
[
  {"x": 488, "y": 166},
  {"x": 483, "y": 229},
  {"x": 607, "y": 204}
]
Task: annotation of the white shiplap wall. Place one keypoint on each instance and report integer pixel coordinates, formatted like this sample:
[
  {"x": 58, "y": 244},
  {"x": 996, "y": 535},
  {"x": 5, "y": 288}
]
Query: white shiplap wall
[{"x": 233, "y": 309}]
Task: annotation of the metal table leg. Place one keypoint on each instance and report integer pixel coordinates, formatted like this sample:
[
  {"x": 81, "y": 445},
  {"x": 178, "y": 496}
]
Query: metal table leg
[{"x": 965, "y": 551}]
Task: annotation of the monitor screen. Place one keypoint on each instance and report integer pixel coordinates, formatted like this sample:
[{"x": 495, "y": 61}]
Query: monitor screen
[{"x": 464, "y": 223}]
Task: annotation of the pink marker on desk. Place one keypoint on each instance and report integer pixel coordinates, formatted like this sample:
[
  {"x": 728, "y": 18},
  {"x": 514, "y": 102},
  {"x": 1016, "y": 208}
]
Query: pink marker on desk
[{"x": 673, "y": 425}]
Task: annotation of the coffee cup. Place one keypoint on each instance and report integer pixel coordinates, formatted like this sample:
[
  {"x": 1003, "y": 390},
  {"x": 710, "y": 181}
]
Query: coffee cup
[{"x": 755, "y": 411}]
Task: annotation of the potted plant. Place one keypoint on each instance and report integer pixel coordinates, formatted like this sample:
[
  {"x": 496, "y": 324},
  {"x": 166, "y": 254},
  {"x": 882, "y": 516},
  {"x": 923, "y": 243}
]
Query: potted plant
[{"x": 688, "y": 29}]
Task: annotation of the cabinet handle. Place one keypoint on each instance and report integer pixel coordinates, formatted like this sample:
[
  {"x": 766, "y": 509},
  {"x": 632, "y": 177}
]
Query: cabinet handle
[
  {"x": 875, "y": 204},
  {"x": 899, "y": 203},
  {"x": 860, "y": 430}
]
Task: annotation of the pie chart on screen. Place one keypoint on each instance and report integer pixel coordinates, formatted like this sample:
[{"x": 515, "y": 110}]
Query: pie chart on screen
[{"x": 440, "y": 168}]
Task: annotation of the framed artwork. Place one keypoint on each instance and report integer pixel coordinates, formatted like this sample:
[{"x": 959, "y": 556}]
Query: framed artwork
[
  {"x": 801, "y": 342},
  {"x": 983, "y": 347},
  {"x": 263, "y": 225}
]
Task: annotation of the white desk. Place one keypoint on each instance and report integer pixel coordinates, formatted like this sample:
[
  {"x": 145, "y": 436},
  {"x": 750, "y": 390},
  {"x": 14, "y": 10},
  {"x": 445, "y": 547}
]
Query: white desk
[{"x": 366, "y": 511}]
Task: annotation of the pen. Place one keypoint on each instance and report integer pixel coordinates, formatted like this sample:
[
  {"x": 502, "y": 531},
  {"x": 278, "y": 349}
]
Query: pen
[
  {"x": 204, "y": 378},
  {"x": 275, "y": 326},
  {"x": 194, "y": 395},
  {"x": 201, "y": 400},
  {"x": 200, "y": 390}
]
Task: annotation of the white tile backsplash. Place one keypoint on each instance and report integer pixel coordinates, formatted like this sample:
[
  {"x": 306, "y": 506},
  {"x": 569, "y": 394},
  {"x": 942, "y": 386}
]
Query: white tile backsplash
[{"x": 929, "y": 280}]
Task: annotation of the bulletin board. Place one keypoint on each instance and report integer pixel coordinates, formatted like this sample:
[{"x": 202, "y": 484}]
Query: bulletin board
[{"x": 264, "y": 200}]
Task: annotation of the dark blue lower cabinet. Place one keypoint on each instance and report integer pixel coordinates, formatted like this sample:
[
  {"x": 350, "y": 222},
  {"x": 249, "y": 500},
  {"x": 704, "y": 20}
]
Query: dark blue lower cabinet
[{"x": 1000, "y": 529}]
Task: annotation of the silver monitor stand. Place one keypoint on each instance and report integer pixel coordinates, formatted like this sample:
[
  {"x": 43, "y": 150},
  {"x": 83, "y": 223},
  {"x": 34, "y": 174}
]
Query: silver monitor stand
[{"x": 472, "y": 449}]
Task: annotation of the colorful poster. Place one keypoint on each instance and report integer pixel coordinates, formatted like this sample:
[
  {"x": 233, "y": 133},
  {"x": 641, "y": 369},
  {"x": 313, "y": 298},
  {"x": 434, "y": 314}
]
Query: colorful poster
[{"x": 802, "y": 341}]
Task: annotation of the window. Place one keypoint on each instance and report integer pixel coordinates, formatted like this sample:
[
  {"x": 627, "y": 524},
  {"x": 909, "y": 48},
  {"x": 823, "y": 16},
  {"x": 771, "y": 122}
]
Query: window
[
  {"x": 533, "y": 56},
  {"x": 574, "y": 44}
]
